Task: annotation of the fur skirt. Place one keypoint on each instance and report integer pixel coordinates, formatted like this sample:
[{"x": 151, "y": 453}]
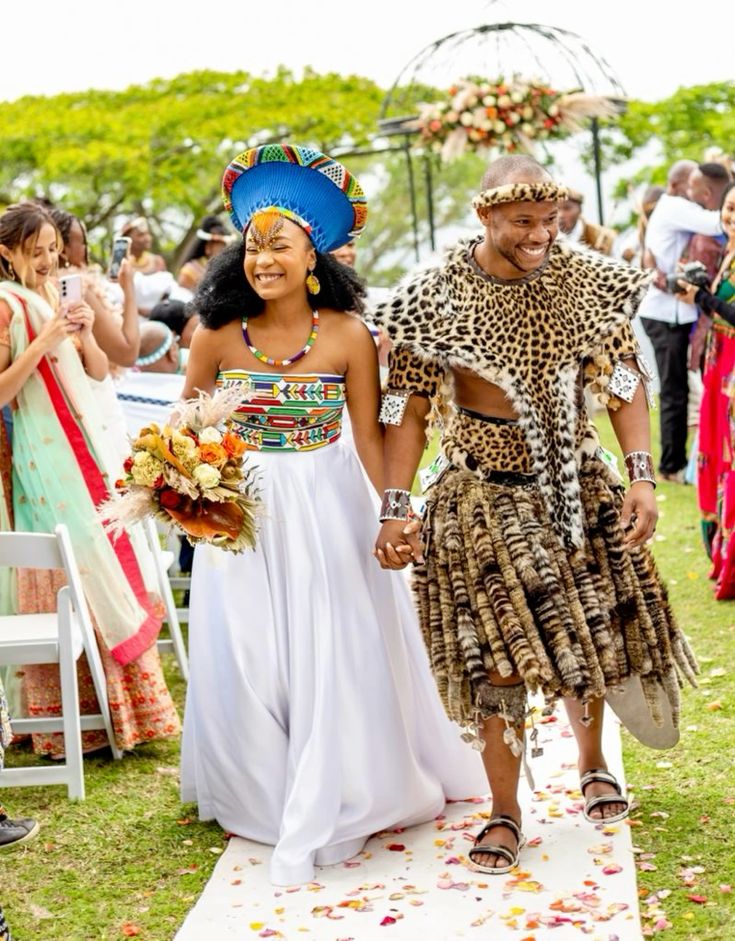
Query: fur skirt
[{"x": 500, "y": 593}]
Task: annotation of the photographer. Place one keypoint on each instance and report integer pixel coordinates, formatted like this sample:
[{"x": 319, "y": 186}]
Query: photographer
[
  {"x": 668, "y": 317},
  {"x": 715, "y": 476}
]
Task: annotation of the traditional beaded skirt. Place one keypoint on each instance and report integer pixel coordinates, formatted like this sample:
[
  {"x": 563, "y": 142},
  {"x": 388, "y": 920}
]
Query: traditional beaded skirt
[{"x": 500, "y": 593}]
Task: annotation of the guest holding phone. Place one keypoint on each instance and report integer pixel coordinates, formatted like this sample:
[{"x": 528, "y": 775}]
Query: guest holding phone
[
  {"x": 61, "y": 471},
  {"x": 116, "y": 327},
  {"x": 143, "y": 260}
]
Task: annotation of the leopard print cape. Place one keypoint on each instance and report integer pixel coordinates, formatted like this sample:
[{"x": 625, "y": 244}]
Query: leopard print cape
[{"x": 529, "y": 337}]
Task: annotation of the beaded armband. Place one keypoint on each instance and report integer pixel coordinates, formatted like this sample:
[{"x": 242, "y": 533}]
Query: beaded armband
[
  {"x": 393, "y": 406},
  {"x": 639, "y": 465},
  {"x": 396, "y": 505},
  {"x": 624, "y": 381}
]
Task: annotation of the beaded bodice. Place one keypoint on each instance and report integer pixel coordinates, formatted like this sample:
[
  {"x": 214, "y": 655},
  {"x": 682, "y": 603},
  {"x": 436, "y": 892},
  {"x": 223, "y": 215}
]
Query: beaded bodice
[{"x": 287, "y": 412}]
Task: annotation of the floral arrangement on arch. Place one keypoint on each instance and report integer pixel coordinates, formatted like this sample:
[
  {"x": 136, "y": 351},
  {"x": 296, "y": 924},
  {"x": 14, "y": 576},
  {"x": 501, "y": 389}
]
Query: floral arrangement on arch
[
  {"x": 507, "y": 115},
  {"x": 190, "y": 475}
]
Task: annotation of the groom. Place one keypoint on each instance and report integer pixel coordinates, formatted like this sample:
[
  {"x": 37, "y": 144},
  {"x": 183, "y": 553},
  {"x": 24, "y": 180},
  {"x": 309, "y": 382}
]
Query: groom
[{"x": 535, "y": 572}]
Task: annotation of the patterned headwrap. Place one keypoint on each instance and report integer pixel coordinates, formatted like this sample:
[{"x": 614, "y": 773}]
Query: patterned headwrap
[
  {"x": 521, "y": 193},
  {"x": 301, "y": 184}
]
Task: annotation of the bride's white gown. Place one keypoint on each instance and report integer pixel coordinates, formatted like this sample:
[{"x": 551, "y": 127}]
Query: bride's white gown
[{"x": 312, "y": 719}]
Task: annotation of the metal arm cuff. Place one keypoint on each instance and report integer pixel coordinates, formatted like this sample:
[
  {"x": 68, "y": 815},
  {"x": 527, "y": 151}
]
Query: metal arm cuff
[
  {"x": 624, "y": 381},
  {"x": 392, "y": 406},
  {"x": 396, "y": 505},
  {"x": 639, "y": 465}
]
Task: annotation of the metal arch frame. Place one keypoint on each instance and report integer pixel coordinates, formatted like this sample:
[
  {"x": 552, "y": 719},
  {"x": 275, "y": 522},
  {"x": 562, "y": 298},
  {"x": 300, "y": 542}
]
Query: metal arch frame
[
  {"x": 563, "y": 39},
  {"x": 567, "y": 43}
]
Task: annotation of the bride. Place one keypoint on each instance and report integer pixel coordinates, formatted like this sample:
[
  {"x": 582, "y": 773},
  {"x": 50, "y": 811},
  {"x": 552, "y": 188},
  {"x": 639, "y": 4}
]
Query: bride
[{"x": 312, "y": 720}]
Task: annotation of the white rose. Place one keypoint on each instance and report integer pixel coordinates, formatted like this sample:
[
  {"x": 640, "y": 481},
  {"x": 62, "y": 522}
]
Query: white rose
[
  {"x": 528, "y": 112},
  {"x": 554, "y": 110},
  {"x": 210, "y": 436},
  {"x": 504, "y": 101},
  {"x": 489, "y": 100},
  {"x": 452, "y": 116},
  {"x": 206, "y": 476},
  {"x": 517, "y": 97},
  {"x": 499, "y": 127},
  {"x": 466, "y": 118}
]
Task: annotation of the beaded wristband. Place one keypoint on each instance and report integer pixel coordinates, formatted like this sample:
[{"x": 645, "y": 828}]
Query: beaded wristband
[
  {"x": 396, "y": 505},
  {"x": 639, "y": 465}
]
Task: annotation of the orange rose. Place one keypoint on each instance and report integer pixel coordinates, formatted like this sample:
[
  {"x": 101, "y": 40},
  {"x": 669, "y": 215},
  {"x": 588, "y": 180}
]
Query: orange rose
[
  {"x": 233, "y": 444},
  {"x": 211, "y": 453}
]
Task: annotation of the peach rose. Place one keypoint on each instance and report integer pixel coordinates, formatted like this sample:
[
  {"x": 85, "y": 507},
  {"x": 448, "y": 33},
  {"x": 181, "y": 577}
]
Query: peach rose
[
  {"x": 212, "y": 453},
  {"x": 233, "y": 444}
]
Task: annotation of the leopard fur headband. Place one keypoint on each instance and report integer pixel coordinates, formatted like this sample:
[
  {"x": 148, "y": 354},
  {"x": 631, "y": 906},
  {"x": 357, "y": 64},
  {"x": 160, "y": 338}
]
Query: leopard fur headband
[{"x": 521, "y": 193}]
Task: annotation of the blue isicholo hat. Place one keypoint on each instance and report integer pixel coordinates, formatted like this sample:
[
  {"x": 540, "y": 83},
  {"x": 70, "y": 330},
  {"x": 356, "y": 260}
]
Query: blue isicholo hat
[{"x": 303, "y": 184}]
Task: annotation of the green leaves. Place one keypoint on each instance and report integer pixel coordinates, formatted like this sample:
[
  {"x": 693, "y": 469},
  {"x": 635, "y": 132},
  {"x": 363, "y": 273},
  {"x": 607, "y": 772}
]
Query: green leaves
[{"x": 163, "y": 146}]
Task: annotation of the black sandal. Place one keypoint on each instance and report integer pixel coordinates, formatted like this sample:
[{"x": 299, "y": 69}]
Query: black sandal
[
  {"x": 601, "y": 776},
  {"x": 498, "y": 849}
]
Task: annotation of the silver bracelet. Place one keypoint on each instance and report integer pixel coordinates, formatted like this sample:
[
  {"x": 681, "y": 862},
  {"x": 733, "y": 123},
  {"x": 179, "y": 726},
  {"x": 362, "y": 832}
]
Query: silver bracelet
[
  {"x": 639, "y": 465},
  {"x": 396, "y": 505}
]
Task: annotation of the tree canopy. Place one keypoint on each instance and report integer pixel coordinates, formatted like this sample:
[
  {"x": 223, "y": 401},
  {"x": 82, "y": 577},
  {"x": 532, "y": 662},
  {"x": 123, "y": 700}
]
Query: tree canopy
[
  {"x": 683, "y": 125},
  {"x": 160, "y": 148},
  {"x": 163, "y": 146}
]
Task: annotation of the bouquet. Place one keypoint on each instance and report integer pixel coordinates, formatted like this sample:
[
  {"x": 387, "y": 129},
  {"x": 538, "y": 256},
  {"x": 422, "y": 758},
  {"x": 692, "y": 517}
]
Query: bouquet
[
  {"x": 190, "y": 474},
  {"x": 508, "y": 115}
]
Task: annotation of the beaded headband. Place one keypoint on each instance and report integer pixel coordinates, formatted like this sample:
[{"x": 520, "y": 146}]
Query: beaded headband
[
  {"x": 264, "y": 218},
  {"x": 213, "y": 236},
  {"x": 521, "y": 193},
  {"x": 159, "y": 352}
]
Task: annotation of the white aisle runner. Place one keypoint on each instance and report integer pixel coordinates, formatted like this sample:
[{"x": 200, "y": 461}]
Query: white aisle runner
[{"x": 575, "y": 880}]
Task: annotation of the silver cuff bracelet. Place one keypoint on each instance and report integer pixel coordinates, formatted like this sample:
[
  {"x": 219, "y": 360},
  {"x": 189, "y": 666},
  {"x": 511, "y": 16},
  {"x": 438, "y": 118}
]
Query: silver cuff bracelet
[
  {"x": 396, "y": 505},
  {"x": 639, "y": 465}
]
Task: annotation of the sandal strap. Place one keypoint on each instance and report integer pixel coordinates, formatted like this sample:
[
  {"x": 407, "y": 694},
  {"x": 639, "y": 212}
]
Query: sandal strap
[
  {"x": 605, "y": 799},
  {"x": 495, "y": 849},
  {"x": 502, "y": 820},
  {"x": 599, "y": 776}
]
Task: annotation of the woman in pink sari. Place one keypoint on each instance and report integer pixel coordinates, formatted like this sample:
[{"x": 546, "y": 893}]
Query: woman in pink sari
[
  {"x": 716, "y": 467},
  {"x": 61, "y": 472}
]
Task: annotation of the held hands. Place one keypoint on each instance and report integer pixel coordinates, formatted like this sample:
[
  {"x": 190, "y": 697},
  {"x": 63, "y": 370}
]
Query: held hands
[
  {"x": 398, "y": 543},
  {"x": 80, "y": 316},
  {"x": 639, "y": 508}
]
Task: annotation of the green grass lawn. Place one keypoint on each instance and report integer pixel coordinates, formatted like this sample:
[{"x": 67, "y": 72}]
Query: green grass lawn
[{"x": 130, "y": 860}]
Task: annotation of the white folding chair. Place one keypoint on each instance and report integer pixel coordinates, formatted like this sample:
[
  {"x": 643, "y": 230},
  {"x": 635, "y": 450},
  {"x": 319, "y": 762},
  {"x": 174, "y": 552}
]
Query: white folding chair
[
  {"x": 163, "y": 560},
  {"x": 59, "y": 637}
]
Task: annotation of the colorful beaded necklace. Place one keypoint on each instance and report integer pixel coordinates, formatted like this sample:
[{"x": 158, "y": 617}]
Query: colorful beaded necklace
[{"x": 291, "y": 359}]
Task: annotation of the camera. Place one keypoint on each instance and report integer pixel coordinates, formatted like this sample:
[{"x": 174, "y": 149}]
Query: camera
[{"x": 693, "y": 272}]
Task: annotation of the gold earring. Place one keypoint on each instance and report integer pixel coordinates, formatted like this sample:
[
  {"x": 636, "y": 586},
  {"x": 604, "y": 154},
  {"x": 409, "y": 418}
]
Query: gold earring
[
  {"x": 312, "y": 283},
  {"x": 11, "y": 270}
]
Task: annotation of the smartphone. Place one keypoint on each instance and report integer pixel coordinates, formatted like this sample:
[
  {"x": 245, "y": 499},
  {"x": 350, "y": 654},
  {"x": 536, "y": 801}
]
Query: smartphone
[
  {"x": 120, "y": 250},
  {"x": 70, "y": 288}
]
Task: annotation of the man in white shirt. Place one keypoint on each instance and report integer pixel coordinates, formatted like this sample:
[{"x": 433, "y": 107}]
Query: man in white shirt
[{"x": 667, "y": 320}]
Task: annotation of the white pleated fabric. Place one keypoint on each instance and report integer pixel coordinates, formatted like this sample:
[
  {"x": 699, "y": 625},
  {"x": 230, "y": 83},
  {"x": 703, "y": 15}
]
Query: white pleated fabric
[{"x": 312, "y": 720}]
